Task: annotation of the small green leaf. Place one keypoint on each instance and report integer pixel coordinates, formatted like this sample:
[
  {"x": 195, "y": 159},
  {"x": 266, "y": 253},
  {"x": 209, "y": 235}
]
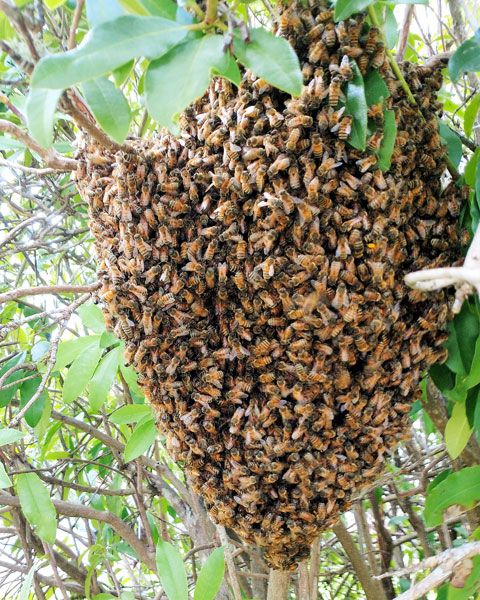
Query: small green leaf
[
  {"x": 53, "y": 4},
  {"x": 92, "y": 317},
  {"x": 346, "y": 8},
  {"x": 70, "y": 349},
  {"x": 470, "y": 114},
  {"x": 171, "y": 571},
  {"x": 10, "y": 436},
  {"x": 466, "y": 58},
  {"x": 457, "y": 431},
  {"x": 131, "y": 413},
  {"x": 6, "y": 29},
  {"x": 388, "y": 142},
  {"x": 40, "y": 112},
  {"x": 391, "y": 28},
  {"x": 109, "y": 107},
  {"x": 106, "y": 47},
  {"x": 462, "y": 487},
  {"x": 141, "y": 439},
  {"x": 211, "y": 576},
  {"x": 356, "y": 106},
  {"x": 134, "y": 6},
  {"x": 28, "y": 389},
  {"x": 121, "y": 74},
  {"x": 406, "y": 1},
  {"x": 5, "y": 481},
  {"x": 80, "y": 373},
  {"x": 271, "y": 58},
  {"x": 376, "y": 89},
  {"x": 103, "y": 378},
  {"x": 452, "y": 141},
  {"x": 190, "y": 66},
  {"x": 7, "y": 394},
  {"x": 37, "y": 506}
]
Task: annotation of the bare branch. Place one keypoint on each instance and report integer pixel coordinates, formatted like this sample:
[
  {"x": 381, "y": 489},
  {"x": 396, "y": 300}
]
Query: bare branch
[{"x": 48, "y": 289}]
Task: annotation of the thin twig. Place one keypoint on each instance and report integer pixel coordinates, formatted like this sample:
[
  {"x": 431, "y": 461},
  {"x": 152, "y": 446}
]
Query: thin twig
[
  {"x": 75, "y": 21},
  {"x": 48, "y": 289}
]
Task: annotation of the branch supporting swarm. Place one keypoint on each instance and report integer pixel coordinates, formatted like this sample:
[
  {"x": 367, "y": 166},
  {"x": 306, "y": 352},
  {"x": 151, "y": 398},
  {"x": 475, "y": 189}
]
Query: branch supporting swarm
[{"x": 466, "y": 278}]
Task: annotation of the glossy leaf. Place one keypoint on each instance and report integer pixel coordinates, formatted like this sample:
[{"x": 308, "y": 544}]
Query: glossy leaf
[
  {"x": 92, "y": 317},
  {"x": 161, "y": 8},
  {"x": 466, "y": 58},
  {"x": 462, "y": 487},
  {"x": 391, "y": 28},
  {"x": 37, "y": 505},
  {"x": 5, "y": 481},
  {"x": 356, "y": 106},
  {"x": 388, "y": 142},
  {"x": 171, "y": 571},
  {"x": 457, "y": 431},
  {"x": 40, "y": 112},
  {"x": 131, "y": 413},
  {"x": 271, "y": 58},
  {"x": 10, "y": 436},
  {"x": 134, "y": 6},
  {"x": 121, "y": 74},
  {"x": 27, "y": 390},
  {"x": 376, "y": 89},
  {"x": 109, "y": 107},
  {"x": 70, "y": 349},
  {"x": 80, "y": 373},
  {"x": 141, "y": 439},
  {"x": 8, "y": 393},
  {"x": 106, "y": 47},
  {"x": 190, "y": 66},
  {"x": 346, "y": 8},
  {"x": 452, "y": 141},
  {"x": 210, "y": 577},
  {"x": 470, "y": 114},
  {"x": 103, "y": 378}
]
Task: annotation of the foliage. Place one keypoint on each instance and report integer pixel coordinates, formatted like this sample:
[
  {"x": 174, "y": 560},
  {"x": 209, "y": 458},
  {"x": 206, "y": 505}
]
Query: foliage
[{"x": 83, "y": 477}]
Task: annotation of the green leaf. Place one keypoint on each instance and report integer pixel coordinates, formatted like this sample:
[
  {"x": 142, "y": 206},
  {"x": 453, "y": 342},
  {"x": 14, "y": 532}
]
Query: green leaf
[
  {"x": 391, "y": 28},
  {"x": 40, "y": 112},
  {"x": 103, "y": 378},
  {"x": 471, "y": 167},
  {"x": 10, "y": 436},
  {"x": 171, "y": 571},
  {"x": 37, "y": 506},
  {"x": 376, "y": 89},
  {"x": 466, "y": 58},
  {"x": 6, "y": 29},
  {"x": 28, "y": 389},
  {"x": 39, "y": 350},
  {"x": 462, "y": 487},
  {"x": 92, "y": 317},
  {"x": 161, "y": 8},
  {"x": 271, "y": 58},
  {"x": 134, "y": 6},
  {"x": 121, "y": 74},
  {"x": 106, "y": 47},
  {"x": 452, "y": 141},
  {"x": 470, "y": 114},
  {"x": 5, "y": 481},
  {"x": 104, "y": 596},
  {"x": 70, "y": 349},
  {"x": 53, "y": 4},
  {"x": 190, "y": 66},
  {"x": 7, "y": 394},
  {"x": 457, "y": 431},
  {"x": 388, "y": 142},
  {"x": 346, "y": 8},
  {"x": 356, "y": 106},
  {"x": 141, "y": 439},
  {"x": 27, "y": 585},
  {"x": 80, "y": 373},
  {"x": 211, "y": 576},
  {"x": 99, "y": 11},
  {"x": 406, "y": 1},
  {"x": 109, "y": 107},
  {"x": 131, "y": 413}
]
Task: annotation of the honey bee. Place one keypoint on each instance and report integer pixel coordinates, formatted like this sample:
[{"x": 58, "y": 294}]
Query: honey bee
[{"x": 334, "y": 91}]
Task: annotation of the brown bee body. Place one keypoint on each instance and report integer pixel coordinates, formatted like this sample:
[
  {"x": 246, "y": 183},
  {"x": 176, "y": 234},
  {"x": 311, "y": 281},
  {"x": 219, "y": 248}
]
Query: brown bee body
[{"x": 254, "y": 267}]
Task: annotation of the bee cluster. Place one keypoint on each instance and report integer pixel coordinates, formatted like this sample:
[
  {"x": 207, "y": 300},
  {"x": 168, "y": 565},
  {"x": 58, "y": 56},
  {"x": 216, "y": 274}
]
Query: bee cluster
[{"x": 254, "y": 267}]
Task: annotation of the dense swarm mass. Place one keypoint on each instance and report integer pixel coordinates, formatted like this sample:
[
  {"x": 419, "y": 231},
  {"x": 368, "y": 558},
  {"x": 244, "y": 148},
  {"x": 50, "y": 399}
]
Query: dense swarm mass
[{"x": 254, "y": 268}]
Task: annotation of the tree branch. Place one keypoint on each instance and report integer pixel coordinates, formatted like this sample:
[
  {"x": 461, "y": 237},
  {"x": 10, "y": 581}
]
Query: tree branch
[{"x": 49, "y": 289}]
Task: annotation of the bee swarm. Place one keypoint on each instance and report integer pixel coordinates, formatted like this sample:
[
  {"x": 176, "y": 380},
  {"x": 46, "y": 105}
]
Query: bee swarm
[{"x": 254, "y": 268}]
